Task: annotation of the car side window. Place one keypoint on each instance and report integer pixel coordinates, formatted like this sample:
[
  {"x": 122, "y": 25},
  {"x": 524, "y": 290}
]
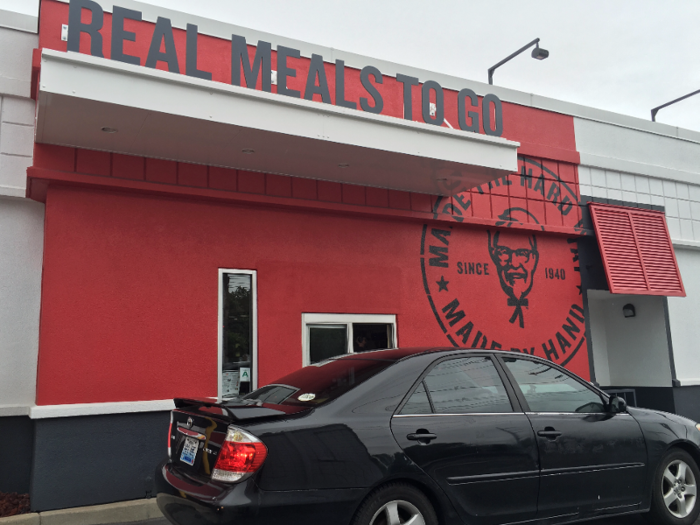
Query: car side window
[
  {"x": 418, "y": 402},
  {"x": 547, "y": 389},
  {"x": 467, "y": 385}
]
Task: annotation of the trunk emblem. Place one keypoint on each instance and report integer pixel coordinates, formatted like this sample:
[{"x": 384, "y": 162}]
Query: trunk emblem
[{"x": 190, "y": 422}]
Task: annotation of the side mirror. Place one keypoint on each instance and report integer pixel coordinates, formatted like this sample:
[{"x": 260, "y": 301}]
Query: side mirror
[{"x": 617, "y": 405}]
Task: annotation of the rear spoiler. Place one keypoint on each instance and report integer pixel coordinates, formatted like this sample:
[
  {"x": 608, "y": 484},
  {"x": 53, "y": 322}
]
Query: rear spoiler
[{"x": 238, "y": 410}]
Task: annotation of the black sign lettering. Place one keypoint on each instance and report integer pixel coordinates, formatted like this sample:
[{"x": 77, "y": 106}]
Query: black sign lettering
[
  {"x": 451, "y": 314},
  {"x": 191, "y": 55},
  {"x": 261, "y": 62},
  {"x": 550, "y": 351},
  {"x": 563, "y": 343},
  {"x": 163, "y": 35},
  {"x": 340, "y": 86},
  {"x": 77, "y": 27},
  {"x": 119, "y": 34},
  {"x": 317, "y": 72},
  {"x": 429, "y": 86},
  {"x": 284, "y": 71},
  {"x": 366, "y": 72},
  {"x": 565, "y": 205},
  {"x": 441, "y": 235},
  {"x": 407, "y": 82},
  {"x": 497, "y": 129},
  {"x": 441, "y": 259},
  {"x": 571, "y": 328},
  {"x": 162, "y": 49},
  {"x": 578, "y": 309},
  {"x": 554, "y": 193},
  {"x": 460, "y": 200},
  {"x": 462, "y": 113},
  {"x": 465, "y": 332}
]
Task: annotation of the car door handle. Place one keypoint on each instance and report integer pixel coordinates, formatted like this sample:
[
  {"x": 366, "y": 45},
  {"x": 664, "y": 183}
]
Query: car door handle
[
  {"x": 421, "y": 436},
  {"x": 549, "y": 433}
]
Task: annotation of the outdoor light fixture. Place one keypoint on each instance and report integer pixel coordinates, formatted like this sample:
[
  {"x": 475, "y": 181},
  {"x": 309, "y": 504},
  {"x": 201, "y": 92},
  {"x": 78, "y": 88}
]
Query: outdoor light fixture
[
  {"x": 656, "y": 109},
  {"x": 537, "y": 53},
  {"x": 109, "y": 130},
  {"x": 248, "y": 151},
  {"x": 628, "y": 310},
  {"x": 343, "y": 165}
]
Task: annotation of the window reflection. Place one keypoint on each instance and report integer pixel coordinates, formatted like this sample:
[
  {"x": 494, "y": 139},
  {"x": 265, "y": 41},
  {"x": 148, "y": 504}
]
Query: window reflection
[{"x": 237, "y": 340}]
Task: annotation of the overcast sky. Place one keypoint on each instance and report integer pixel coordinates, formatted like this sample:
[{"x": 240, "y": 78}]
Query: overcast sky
[{"x": 626, "y": 56}]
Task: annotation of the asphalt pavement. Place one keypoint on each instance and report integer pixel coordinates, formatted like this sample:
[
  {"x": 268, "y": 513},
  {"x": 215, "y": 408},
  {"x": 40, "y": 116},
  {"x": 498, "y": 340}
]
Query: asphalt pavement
[{"x": 631, "y": 520}]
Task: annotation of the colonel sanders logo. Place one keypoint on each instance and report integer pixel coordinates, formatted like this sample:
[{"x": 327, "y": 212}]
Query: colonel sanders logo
[
  {"x": 463, "y": 266},
  {"x": 516, "y": 259}
]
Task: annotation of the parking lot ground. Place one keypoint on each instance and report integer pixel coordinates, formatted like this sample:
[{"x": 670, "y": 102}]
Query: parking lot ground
[{"x": 631, "y": 520}]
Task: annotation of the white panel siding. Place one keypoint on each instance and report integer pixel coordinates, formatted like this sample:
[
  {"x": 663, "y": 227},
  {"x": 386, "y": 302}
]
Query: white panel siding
[
  {"x": 622, "y": 149},
  {"x": 683, "y": 313},
  {"x": 21, "y": 251},
  {"x": 629, "y": 351},
  {"x": 16, "y": 62},
  {"x": 680, "y": 200},
  {"x": 16, "y": 144},
  {"x": 22, "y": 15}
]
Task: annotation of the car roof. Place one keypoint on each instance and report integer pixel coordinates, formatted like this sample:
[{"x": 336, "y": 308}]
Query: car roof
[{"x": 397, "y": 354}]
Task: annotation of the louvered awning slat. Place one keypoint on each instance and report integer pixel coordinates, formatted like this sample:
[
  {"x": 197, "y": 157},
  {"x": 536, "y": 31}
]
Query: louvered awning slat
[{"x": 637, "y": 251}]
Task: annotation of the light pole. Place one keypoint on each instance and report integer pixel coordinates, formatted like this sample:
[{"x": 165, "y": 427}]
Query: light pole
[
  {"x": 656, "y": 109},
  {"x": 537, "y": 53}
]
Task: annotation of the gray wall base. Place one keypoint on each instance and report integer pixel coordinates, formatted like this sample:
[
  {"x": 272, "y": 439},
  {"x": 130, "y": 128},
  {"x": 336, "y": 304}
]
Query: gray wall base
[
  {"x": 16, "y": 453},
  {"x": 681, "y": 400},
  {"x": 90, "y": 460},
  {"x": 687, "y": 400}
]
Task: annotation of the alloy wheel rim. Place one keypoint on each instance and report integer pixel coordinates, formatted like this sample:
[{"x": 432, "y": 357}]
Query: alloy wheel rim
[
  {"x": 679, "y": 488},
  {"x": 398, "y": 512}
]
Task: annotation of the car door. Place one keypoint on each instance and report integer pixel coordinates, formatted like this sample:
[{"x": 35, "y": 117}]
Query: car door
[
  {"x": 591, "y": 460},
  {"x": 466, "y": 430}
]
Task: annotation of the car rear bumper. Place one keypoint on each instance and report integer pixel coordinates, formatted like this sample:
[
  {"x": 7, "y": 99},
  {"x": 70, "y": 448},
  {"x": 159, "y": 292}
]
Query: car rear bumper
[{"x": 185, "y": 502}]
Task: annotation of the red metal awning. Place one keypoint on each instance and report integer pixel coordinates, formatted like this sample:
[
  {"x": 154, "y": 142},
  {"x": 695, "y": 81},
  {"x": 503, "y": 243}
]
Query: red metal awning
[{"x": 637, "y": 251}]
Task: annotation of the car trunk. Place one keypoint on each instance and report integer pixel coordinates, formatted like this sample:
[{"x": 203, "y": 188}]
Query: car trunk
[{"x": 199, "y": 427}]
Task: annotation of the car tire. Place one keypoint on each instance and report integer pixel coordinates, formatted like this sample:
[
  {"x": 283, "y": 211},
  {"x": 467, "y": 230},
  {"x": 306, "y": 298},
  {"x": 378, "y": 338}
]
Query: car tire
[
  {"x": 395, "y": 504},
  {"x": 674, "y": 497}
]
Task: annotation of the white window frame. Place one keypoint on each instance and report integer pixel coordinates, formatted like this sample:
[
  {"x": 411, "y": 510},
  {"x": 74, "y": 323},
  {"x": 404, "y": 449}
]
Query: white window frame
[
  {"x": 346, "y": 319},
  {"x": 254, "y": 315}
]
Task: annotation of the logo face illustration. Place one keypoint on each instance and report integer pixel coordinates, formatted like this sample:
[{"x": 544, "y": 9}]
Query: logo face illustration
[{"x": 515, "y": 257}]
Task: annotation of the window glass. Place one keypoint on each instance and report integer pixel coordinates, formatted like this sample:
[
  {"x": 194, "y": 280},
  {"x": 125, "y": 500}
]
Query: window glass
[
  {"x": 237, "y": 337},
  {"x": 326, "y": 341},
  {"x": 547, "y": 389},
  {"x": 467, "y": 385},
  {"x": 371, "y": 336},
  {"x": 418, "y": 402}
]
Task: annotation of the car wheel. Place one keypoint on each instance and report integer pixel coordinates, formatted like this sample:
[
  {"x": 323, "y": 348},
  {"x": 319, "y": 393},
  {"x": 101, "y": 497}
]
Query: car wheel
[
  {"x": 674, "y": 494},
  {"x": 396, "y": 504}
]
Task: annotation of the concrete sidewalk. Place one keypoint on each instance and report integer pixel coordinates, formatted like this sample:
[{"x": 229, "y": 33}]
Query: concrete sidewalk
[{"x": 114, "y": 513}]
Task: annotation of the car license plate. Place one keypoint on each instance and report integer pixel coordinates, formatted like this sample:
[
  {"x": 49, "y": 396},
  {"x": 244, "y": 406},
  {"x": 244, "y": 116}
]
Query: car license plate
[{"x": 189, "y": 451}]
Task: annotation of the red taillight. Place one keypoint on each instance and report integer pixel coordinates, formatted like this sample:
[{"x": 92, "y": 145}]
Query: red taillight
[
  {"x": 241, "y": 454},
  {"x": 170, "y": 435}
]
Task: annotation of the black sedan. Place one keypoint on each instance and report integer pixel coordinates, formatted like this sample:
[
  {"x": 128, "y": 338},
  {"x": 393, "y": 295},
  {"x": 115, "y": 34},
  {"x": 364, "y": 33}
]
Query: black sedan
[{"x": 425, "y": 436}]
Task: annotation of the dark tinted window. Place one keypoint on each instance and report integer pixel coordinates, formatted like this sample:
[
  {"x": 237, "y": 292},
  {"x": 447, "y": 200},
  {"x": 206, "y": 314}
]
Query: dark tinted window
[
  {"x": 318, "y": 384},
  {"x": 547, "y": 389},
  {"x": 467, "y": 385},
  {"x": 326, "y": 341},
  {"x": 418, "y": 402}
]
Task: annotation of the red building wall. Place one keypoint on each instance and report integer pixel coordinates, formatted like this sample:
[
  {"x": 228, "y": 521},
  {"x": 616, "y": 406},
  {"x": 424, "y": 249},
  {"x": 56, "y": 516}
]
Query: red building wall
[
  {"x": 130, "y": 289},
  {"x": 133, "y": 246}
]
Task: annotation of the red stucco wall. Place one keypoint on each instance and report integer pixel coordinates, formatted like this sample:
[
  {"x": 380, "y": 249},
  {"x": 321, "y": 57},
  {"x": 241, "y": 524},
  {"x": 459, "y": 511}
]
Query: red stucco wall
[{"x": 129, "y": 303}]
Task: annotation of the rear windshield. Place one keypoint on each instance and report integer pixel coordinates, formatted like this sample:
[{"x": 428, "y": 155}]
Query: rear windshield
[{"x": 321, "y": 382}]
